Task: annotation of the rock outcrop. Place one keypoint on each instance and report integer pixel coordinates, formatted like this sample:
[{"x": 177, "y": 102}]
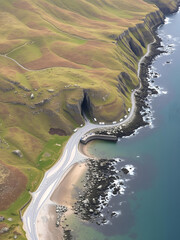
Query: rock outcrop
[{"x": 18, "y": 153}]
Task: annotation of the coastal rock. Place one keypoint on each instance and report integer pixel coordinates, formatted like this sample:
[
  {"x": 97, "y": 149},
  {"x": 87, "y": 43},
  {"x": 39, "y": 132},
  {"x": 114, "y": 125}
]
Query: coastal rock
[
  {"x": 125, "y": 170},
  {"x": 113, "y": 214},
  {"x": 104, "y": 182},
  {"x": 86, "y": 201},
  {"x": 60, "y": 210}
]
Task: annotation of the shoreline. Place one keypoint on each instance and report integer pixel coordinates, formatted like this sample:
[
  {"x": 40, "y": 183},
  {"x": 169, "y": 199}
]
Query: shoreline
[
  {"x": 134, "y": 124},
  {"x": 140, "y": 94},
  {"x": 144, "y": 63},
  {"x": 51, "y": 220}
]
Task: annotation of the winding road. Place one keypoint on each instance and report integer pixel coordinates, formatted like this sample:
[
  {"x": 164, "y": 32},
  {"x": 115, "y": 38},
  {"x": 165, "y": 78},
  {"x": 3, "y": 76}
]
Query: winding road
[{"x": 53, "y": 176}]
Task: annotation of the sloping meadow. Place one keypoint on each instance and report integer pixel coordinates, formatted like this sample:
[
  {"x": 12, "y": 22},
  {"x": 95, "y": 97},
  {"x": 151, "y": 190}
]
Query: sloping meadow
[{"x": 55, "y": 56}]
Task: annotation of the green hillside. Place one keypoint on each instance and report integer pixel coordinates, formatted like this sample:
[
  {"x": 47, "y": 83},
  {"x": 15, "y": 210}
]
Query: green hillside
[{"x": 53, "y": 55}]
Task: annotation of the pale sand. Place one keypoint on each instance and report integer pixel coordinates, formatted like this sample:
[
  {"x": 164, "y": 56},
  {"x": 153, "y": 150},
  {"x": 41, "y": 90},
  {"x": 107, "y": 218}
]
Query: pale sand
[
  {"x": 83, "y": 148},
  {"x": 64, "y": 194},
  {"x": 47, "y": 229}
]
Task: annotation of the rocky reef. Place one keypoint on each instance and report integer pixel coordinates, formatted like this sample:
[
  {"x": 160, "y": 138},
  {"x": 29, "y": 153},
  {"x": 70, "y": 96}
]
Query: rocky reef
[{"x": 103, "y": 181}]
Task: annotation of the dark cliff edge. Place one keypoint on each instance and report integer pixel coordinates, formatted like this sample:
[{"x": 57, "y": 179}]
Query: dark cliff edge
[
  {"x": 131, "y": 45},
  {"x": 135, "y": 41},
  {"x": 167, "y": 7},
  {"x": 152, "y": 21}
]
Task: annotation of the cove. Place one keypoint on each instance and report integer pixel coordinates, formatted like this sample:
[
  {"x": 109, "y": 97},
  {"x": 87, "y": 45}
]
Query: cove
[{"x": 150, "y": 208}]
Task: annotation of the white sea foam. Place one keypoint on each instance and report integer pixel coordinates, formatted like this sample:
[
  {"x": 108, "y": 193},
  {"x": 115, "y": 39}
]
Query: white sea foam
[
  {"x": 131, "y": 169},
  {"x": 127, "y": 180},
  {"x": 167, "y": 20},
  {"x": 169, "y": 36},
  {"x": 107, "y": 222},
  {"x": 121, "y": 203}
]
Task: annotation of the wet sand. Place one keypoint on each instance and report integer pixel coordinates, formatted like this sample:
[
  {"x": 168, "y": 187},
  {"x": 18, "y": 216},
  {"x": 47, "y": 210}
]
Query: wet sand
[
  {"x": 47, "y": 223},
  {"x": 84, "y": 150},
  {"x": 65, "y": 191}
]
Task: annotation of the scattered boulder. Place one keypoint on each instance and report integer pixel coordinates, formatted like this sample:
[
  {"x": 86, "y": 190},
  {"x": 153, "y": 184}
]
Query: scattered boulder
[
  {"x": 50, "y": 90},
  {"x": 91, "y": 210},
  {"x": 100, "y": 187},
  {"x": 60, "y": 210},
  {"x": 113, "y": 214},
  {"x": 4, "y": 230},
  {"x": 86, "y": 201},
  {"x": 18, "y": 153},
  {"x": 2, "y": 218},
  {"x": 125, "y": 170},
  {"x": 102, "y": 178}
]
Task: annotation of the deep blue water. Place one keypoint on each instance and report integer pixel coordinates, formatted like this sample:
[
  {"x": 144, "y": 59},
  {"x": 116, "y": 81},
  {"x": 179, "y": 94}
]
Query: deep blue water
[{"x": 151, "y": 207}]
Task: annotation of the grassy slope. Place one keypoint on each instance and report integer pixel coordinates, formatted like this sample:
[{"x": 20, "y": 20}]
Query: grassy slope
[{"x": 69, "y": 47}]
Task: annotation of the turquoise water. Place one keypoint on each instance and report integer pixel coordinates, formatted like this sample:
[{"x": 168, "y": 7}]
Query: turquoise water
[{"x": 151, "y": 208}]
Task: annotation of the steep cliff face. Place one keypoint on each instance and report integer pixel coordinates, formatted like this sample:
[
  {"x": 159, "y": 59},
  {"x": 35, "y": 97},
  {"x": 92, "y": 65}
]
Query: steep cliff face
[
  {"x": 137, "y": 38},
  {"x": 132, "y": 44},
  {"x": 168, "y": 6}
]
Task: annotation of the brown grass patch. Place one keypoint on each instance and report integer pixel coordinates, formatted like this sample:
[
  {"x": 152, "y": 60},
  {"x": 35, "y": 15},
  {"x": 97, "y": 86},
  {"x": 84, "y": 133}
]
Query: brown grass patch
[
  {"x": 11, "y": 188},
  {"x": 8, "y": 68},
  {"x": 23, "y": 5},
  {"x": 49, "y": 60},
  {"x": 29, "y": 144},
  {"x": 2, "y": 225},
  {"x": 7, "y": 46},
  {"x": 85, "y": 54},
  {"x": 57, "y": 131},
  {"x": 34, "y": 25}
]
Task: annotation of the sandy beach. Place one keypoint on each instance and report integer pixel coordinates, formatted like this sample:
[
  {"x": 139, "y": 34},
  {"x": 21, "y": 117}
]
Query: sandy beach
[
  {"x": 47, "y": 229},
  {"x": 84, "y": 150},
  {"x": 67, "y": 190},
  {"x": 64, "y": 195}
]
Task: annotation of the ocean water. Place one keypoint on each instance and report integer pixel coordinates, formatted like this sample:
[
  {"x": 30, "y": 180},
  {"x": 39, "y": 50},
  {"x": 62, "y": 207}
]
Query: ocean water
[{"x": 150, "y": 206}]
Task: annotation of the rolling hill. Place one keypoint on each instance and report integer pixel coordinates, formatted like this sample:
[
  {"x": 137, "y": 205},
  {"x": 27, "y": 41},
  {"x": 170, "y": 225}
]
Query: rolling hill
[{"x": 56, "y": 55}]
